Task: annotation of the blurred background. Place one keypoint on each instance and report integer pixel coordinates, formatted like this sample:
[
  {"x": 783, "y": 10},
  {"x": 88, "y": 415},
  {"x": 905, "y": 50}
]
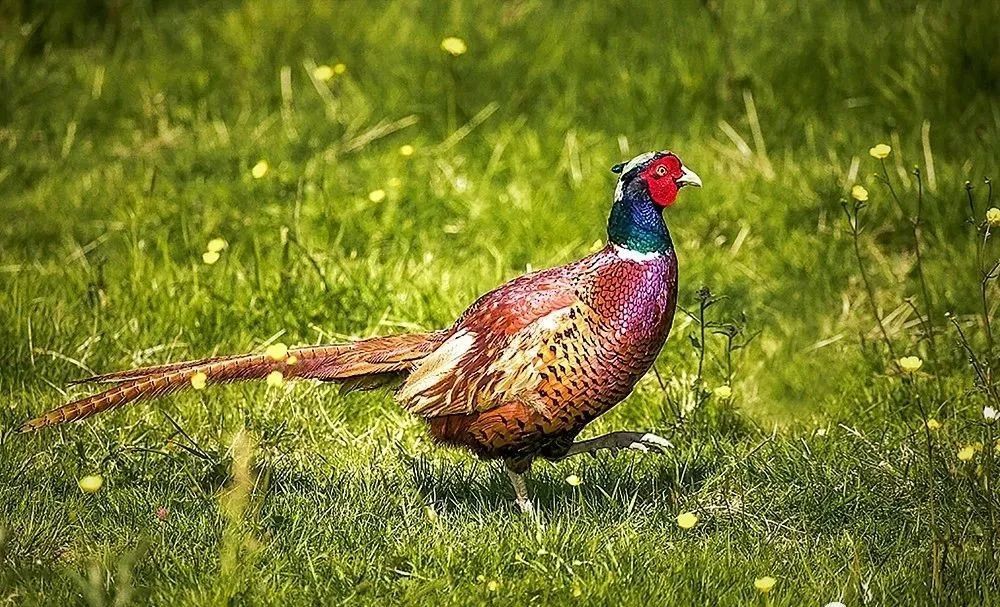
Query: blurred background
[{"x": 374, "y": 166}]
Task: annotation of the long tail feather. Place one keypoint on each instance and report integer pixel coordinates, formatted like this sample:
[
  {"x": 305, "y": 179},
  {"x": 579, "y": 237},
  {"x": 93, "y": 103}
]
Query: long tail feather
[{"x": 366, "y": 363}]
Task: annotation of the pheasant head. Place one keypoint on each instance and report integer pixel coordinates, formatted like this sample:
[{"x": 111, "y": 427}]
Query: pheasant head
[{"x": 647, "y": 184}]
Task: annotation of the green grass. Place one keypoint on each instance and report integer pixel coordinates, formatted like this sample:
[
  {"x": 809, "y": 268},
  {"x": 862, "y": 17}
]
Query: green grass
[{"x": 127, "y": 136}]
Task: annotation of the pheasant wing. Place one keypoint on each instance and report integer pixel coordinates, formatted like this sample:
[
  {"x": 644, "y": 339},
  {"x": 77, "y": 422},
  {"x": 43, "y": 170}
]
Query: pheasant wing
[{"x": 525, "y": 342}]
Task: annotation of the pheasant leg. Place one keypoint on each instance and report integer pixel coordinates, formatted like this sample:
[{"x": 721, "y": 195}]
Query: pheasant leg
[
  {"x": 516, "y": 474},
  {"x": 615, "y": 441}
]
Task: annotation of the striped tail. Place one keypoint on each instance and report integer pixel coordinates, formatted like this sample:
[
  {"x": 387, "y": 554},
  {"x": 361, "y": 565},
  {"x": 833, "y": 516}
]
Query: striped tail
[{"x": 363, "y": 364}]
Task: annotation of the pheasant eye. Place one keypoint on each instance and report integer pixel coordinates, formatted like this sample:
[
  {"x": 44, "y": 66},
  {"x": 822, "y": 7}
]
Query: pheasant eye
[{"x": 661, "y": 171}]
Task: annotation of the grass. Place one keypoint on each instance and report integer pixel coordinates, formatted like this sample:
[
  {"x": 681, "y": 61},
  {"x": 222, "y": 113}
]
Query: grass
[{"x": 128, "y": 133}]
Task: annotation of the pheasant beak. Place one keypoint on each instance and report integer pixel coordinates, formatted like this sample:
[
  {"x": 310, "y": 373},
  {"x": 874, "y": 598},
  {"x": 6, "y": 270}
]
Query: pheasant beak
[{"x": 688, "y": 177}]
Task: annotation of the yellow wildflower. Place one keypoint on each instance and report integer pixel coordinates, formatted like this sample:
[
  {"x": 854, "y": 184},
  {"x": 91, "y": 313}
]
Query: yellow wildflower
[
  {"x": 493, "y": 585},
  {"x": 407, "y": 150},
  {"x": 933, "y": 424},
  {"x": 323, "y": 72},
  {"x": 687, "y": 520},
  {"x": 573, "y": 480},
  {"x": 966, "y": 453},
  {"x": 210, "y": 257},
  {"x": 764, "y": 584},
  {"x": 277, "y": 351},
  {"x": 198, "y": 380},
  {"x": 453, "y": 46},
  {"x": 217, "y": 244},
  {"x": 260, "y": 169},
  {"x": 376, "y": 195},
  {"x": 275, "y": 379},
  {"x": 724, "y": 392},
  {"x": 339, "y": 69},
  {"x": 91, "y": 483},
  {"x": 993, "y": 217},
  {"x": 859, "y": 193},
  {"x": 880, "y": 151},
  {"x": 910, "y": 364}
]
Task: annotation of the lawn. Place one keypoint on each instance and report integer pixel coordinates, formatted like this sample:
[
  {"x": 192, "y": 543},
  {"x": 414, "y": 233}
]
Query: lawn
[{"x": 366, "y": 181}]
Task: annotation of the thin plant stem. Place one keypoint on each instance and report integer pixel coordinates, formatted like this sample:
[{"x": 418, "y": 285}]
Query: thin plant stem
[
  {"x": 981, "y": 374},
  {"x": 929, "y": 328},
  {"x": 855, "y": 233},
  {"x": 933, "y": 497},
  {"x": 980, "y": 252}
]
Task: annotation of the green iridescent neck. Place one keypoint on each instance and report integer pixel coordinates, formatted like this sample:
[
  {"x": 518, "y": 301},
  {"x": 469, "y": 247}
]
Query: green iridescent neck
[{"x": 636, "y": 223}]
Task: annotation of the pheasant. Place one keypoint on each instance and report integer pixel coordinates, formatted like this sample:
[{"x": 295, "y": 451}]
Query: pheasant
[{"x": 522, "y": 371}]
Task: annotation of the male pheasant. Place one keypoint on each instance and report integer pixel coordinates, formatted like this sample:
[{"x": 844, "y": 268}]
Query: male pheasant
[{"x": 523, "y": 370}]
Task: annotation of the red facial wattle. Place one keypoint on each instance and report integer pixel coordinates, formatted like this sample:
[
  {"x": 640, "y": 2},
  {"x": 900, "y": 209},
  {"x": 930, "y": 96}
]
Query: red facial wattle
[
  {"x": 663, "y": 191},
  {"x": 661, "y": 179}
]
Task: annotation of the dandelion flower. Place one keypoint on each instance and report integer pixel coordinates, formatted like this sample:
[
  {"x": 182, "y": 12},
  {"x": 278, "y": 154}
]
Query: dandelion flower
[
  {"x": 277, "y": 351},
  {"x": 966, "y": 453},
  {"x": 323, "y": 72},
  {"x": 989, "y": 413},
  {"x": 210, "y": 257},
  {"x": 260, "y": 169},
  {"x": 291, "y": 360},
  {"x": 933, "y": 424},
  {"x": 275, "y": 379},
  {"x": 764, "y": 584},
  {"x": 573, "y": 480},
  {"x": 859, "y": 193},
  {"x": 406, "y": 150},
  {"x": 723, "y": 392},
  {"x": 217, "y": 244},
  {"x": 687, "y": 520},
  {"x": 376, "y": 195},
  {"x": 880, "y": 151},
  {"x": 993, "y": 217},
  {"x": 453, "y": 46},
  {"x": 339, "y": 69},
  {"x": 910, "y": 364},
  {"x": 91, "y": 483},
  {"x": 198, "y": 380}
]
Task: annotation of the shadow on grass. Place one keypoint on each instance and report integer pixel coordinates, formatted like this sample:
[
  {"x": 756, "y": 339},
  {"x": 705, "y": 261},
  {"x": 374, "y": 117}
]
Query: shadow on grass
[{"x": 607, "y": 481}]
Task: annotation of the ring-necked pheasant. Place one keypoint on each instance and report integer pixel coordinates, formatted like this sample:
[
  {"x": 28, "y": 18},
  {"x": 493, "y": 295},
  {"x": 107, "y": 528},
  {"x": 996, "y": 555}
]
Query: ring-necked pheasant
[{"x": 523, "y": 370}]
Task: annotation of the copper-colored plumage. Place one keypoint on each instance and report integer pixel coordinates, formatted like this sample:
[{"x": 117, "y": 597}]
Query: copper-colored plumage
[{"x": 362, "y": 361}]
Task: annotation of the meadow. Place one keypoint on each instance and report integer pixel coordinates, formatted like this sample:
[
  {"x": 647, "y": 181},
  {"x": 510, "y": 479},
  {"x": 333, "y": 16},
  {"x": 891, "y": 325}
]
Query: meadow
[{"x": 830, "y": 387}]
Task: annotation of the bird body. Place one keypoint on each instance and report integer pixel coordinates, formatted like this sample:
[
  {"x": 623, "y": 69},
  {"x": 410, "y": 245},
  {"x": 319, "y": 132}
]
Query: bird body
[
  {"x": 530, "y": 364},
  {"x": 522, "y": 371}
]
